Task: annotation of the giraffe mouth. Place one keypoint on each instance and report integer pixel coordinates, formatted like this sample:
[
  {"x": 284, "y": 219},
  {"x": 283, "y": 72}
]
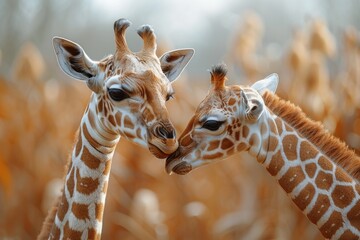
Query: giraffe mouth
[
  {"x": 174, "y": 164},
  {"x": 161, "y": 151},
  {"x": 181, "y": 168}
]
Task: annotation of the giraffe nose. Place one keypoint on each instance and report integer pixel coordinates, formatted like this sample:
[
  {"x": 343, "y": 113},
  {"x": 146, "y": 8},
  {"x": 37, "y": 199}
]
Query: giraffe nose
[{"x": 166, "y": 133}]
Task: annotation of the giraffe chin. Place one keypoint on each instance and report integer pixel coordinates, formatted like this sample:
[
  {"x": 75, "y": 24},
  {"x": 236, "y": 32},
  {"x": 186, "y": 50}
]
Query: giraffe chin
[
  {"x": 157, "y": 152},
  {"x": 181, "y": 168}
]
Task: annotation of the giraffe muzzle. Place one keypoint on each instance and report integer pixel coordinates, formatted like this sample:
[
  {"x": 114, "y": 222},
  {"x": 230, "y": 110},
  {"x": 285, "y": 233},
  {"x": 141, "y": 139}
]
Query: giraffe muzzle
[
  {"x": 174, "y": 164},
  {"x": 162, "y": 141},
  {"x": 165, "y": 132}
]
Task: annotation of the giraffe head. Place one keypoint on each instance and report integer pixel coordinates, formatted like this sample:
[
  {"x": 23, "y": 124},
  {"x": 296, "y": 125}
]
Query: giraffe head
[
  {"x": 129, "y": 89},
  {"x": 227, "y": 120}
]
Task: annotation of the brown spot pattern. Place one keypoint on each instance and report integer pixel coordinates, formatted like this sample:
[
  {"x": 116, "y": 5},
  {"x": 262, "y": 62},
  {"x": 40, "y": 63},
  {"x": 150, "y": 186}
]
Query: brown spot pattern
[
  {"x": 254, "y": 140},
  {"x": 86, "y": 185},
  {"x": 213, "y": 145},
  {"x": 186, "y": 141},
  {"x": 148, "y": 115},
  {"x": 213, "y": 156},
  {"x": 118, "y": 118},
  {"x": 63, "y": 207},
  {"x": 107, "y": 167},
  {"x": 70, "y": 184},
  {"x": 354, "y": 215},
  {"x": 348, "y": 235},
  {"x": 128, "y": 123},
  {"x": 100, "y": 106},
  {"x": 245, "y": 131},
  {"x": 342, "y": 195},
  {"x": 279, "y": 125},
  {"x": 241, "y": 147},
  {"x": 138, "y": 133},
  {"x": 99, "y": 210},
  {"x": 307, "y": 151},
  {"x": 112, "y": 120},
  {"x": 78, "y": 145},
  {"x": 324, "y": 180},
  {"x": 305, "y": 196},
  {"x": 276, "y": 164},
  {"x": 273, "y": 143},
  {"x": 92, "y": 234},
  {"x": 70, "y": 233},
  {"x": 325, "y": 163},
  {"x": 292, "y": 178},
  {"x": 321, "y": 206},
  {"x": 289, "y": 145},
  {"x": 105, "y": 186},
  {"x": 226, "y": 143},
  {"x": 90, "y": 160},
  {"x": 229, "y": 130},
  {"x": 237, "y": 135},
  {"x": 81, "y": 211},
  {"x": 332, "y": 225},
  {"x": 310, "y": 169},
  {"x": 88, "y": 137},
  {"x": 232, "y": 101}
]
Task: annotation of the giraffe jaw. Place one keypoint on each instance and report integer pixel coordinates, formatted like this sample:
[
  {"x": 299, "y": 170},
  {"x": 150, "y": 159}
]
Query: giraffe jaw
[
  {"x": 175, "y": 164},
  {"x": 179, "y": 167},
  {"x": 162, "y": 151}
]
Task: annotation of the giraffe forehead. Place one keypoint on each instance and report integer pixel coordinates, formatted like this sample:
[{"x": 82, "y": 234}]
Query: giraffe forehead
[
  {"x": 218, "y": 105},
  {"x": 134, "y": 64},
  {"x": 143, "y": 81}
]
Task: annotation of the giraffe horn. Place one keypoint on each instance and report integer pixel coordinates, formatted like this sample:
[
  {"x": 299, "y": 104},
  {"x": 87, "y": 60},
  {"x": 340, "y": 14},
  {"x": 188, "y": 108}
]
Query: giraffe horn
[
  {"x": 146, "y": 32},
  {"x": 218, "y": 76},
  {"x": 119, "y": 29}
]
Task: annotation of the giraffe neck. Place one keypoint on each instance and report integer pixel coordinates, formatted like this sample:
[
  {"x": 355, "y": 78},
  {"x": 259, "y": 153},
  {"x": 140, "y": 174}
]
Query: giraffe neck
[
  {"x": 80, "y": 210},
  {"x": 327, "y": 194}
]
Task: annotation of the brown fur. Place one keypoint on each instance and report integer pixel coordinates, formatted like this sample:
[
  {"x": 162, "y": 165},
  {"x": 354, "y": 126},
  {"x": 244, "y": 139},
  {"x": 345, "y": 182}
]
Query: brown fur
[
  {"x": 50, "y": 218},
  {"x": 332, "y": 147},
  {"x": 218, "y": 76},
  {"x": 49, "y": 221}
]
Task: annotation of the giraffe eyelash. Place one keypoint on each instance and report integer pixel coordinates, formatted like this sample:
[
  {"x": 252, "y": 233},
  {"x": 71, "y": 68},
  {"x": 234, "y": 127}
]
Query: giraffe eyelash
[
  {"x": 212, "y": 125},
  {"x": 118, "y": 94}
]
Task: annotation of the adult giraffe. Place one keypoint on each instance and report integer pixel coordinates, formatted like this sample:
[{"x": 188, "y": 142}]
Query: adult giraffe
[
  {"x": 128, "y": 99},
  {"x": 316, "y": 170}
]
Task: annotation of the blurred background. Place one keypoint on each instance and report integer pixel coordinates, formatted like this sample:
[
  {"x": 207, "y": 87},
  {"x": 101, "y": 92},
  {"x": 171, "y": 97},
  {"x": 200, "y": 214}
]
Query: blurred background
[{"x": 313, "y": 45}]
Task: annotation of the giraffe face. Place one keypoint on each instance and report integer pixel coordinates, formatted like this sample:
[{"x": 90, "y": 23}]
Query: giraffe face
[
  {"x": 129, "y": 89},
  {"x": 221, "y": 126}
]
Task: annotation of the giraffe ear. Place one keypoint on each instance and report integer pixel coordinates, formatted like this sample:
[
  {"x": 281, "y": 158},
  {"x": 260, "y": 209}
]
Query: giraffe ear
[
  {"x": 173, "y": 62},
  {"x": 252, "y": 108},
  {"x": 74, "y": 61},
  {"x": 269, "y": 83}
]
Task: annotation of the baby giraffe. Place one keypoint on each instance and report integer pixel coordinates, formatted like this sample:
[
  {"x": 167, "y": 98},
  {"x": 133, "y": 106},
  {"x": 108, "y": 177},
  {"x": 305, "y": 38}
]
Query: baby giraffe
[
  {"x": 129, "y": 91},
  {"x": 316, "y": 170}
]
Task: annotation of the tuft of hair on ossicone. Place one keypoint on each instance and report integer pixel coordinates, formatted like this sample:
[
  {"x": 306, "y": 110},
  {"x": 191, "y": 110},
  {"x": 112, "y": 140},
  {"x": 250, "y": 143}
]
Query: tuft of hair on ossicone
[{"x": 218, "y": 76}]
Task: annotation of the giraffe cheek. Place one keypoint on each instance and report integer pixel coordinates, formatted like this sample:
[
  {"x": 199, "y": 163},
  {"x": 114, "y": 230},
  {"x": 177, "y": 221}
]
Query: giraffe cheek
[{"x": 226, "y": 144}]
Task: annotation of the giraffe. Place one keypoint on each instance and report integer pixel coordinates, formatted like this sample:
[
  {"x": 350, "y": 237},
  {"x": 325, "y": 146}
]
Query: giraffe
[
  {"x": 316, "y": 170},
  {"x": 129, "y": 91}
]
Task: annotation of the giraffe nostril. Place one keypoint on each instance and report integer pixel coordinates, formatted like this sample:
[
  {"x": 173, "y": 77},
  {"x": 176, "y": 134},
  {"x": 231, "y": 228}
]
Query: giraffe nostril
[
  {"x": 165, "y": 133},
  {"x": 171, "y": 134}
]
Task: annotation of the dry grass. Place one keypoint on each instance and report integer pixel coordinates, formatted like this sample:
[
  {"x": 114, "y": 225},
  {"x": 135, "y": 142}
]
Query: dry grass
[{"x": 234, "y": 199}]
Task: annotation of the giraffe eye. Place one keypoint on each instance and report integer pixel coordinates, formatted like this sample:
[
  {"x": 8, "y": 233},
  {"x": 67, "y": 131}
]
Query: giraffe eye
[
  {"x": 117, "y": 94},
  {"x": 212, "y": 125},
  {"x": 169, "y": 96}
]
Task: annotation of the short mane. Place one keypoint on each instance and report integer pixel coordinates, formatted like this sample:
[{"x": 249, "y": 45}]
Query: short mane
[{"x": 337, "y": 151}]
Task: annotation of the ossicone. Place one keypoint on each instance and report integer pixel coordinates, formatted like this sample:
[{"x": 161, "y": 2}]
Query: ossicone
[{"x": 218, "y": 75}]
